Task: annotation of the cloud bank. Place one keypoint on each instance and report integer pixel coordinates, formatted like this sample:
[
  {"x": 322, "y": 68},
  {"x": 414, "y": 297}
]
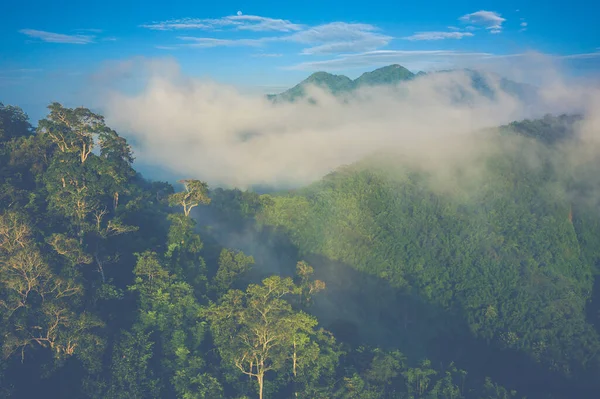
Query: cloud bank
[{"x": 200, "y": 129}]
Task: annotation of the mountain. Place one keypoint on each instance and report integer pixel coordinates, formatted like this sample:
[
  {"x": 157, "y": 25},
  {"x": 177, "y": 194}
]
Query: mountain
[
  {"x": 335, "y": 84},
  {"x": 497, "y": 264},
  {"x": 339, "y": 84},
  {"x": 485, "y": 84},
  {"x": 388, "y": 75}
]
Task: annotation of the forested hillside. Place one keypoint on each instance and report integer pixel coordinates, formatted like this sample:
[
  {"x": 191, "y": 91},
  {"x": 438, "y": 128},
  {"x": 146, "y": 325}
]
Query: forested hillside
[
  {"x": 108, "y": 288},
  {"x": 494, "y": 270}
]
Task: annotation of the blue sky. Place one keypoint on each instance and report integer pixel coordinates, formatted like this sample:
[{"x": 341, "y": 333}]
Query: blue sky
[{"x": 49, "y": 49}]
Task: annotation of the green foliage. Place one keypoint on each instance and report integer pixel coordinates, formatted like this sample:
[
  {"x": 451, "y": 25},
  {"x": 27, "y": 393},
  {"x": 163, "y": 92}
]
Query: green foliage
[
  {"x": 502, "y": 251},
  {"x": 131, "y": 376},
  {"x": 169, "y": 309},
  {"x": 232, "y": 264},
  {"x": 194, "y": 194},
  {"x": 258, "y": 331},
  {"x": 105, "y": 293}
]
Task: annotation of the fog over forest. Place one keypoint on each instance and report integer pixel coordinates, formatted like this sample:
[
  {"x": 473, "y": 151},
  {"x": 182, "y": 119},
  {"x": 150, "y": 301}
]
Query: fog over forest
[{"x": 398, "y": 235}]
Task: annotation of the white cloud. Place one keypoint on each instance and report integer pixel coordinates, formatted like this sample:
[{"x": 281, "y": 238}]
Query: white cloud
[
  {"x": 417, "y": 59},
  {"x": 523, "y": 24},
  {"x": 581, "y": 56},
  {"x": 51, "y": 37},
  {"x": 176, "y": 24},
  {"x": 490, "y": 20},
  {"x": 208, "y": 42},
  {"x": 438, "y": 35},
  {"x": 337, "y": 37},
  {"x": 237, "y": 22},
  {"x": 199, "y": 129},
  {"x": 332, "y": 38},
  {"x": 262, "y": 24}
]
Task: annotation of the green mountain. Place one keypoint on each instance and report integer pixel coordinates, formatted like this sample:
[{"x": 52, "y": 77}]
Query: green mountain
[
  {"x": 388, "y": 75},
  {"x": 339, "y": 84},
  {"x": 494, "y": 262},
  {"x": 335, "y": 84},
  {"x": 394, "y": 74}
]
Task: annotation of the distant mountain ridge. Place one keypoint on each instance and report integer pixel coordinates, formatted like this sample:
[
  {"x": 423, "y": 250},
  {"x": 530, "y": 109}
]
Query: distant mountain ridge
[
  {"x": 337, "y": 84},
  {"x": 392, "y": 75}
]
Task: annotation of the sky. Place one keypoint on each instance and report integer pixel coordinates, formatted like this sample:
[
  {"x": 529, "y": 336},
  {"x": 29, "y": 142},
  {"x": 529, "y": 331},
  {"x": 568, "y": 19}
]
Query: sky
[{"x": 51, "y": 51}]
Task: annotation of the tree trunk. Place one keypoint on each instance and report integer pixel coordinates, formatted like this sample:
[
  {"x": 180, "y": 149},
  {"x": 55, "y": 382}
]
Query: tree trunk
[
  {"x": 260, "y": 379},
  {"x": 100, "y": 268},
  {"x": 295, "y": 361},
  {"x": 295, "y": 371}
]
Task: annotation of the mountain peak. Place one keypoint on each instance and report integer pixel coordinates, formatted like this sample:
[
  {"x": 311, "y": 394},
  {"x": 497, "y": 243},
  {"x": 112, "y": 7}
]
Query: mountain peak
[{"x": 390, "y": 74}]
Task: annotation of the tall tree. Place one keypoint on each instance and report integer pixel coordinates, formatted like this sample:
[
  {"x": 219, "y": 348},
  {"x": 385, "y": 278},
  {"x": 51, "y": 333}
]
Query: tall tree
[
  {"x": 255, "y": 330},
  {"x": 195, "y": 193},
  {"x": 72, "y": 130}
]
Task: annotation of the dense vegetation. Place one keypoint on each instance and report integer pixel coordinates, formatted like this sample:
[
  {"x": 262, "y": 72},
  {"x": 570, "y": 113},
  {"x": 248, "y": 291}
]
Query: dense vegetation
[
  {"x": 493, "y": 269},
  {"x": 108, "y": 289}
]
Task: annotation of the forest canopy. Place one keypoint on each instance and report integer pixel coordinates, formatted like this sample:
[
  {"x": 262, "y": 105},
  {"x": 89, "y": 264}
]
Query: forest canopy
[{"x": 371, "y": 283}]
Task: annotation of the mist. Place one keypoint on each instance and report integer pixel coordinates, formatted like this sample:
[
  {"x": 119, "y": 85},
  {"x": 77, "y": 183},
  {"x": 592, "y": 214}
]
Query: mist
[{"x": 213, "y": 132}]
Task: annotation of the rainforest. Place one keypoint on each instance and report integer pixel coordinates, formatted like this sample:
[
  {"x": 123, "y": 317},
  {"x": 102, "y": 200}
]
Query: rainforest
[{"x": 457, "y": 259}]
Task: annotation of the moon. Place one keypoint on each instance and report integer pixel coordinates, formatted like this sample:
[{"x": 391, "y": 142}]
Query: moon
[{"x": 239, "y": 13}]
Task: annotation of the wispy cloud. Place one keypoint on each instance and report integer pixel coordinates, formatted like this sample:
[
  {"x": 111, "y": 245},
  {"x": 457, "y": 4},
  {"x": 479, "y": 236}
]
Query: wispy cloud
[
  {"x": 419, "y": 58},
  {"x": 178, "y": 24},
  {"x": 52, "y": 37},
  {"x": 438, "y": 35},
  {"x": 490, "y": 20},
  {"x": 207, "y": 42},
  {"x": 267, "y": 55},
  {"x": 340, "y": 37},
  {"x": 262, "y": 24},
  {"x": 332, "y": 38},
  {"x": 523, "y": 25},
  {"x": 582, "y": 55},
  {"x": 238, "y": 22}
]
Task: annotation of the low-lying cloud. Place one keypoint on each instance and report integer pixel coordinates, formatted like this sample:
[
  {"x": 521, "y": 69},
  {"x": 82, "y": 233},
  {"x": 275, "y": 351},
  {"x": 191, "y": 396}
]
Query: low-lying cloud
[{"x": 201, "y": 129}]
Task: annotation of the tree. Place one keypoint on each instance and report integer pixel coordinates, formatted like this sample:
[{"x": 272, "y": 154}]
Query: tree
[
  {"x": 169, "y": 311},
  {"x": 194, "y": 194},
  {"x": 231, "y": 265},
  {"x": 255, "y": 330},
  {"x": 38, "y": 305},
  {"x": 308, "y": 286},
  {"x": 72, "y": 130}
]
